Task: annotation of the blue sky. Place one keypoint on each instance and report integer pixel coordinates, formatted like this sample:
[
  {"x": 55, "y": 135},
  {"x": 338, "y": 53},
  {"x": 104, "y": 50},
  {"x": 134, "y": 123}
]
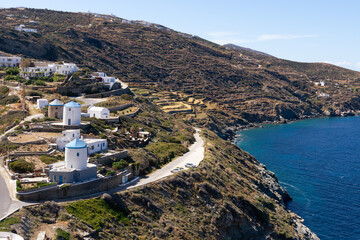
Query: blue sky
[{"x": 299, "y": 30}]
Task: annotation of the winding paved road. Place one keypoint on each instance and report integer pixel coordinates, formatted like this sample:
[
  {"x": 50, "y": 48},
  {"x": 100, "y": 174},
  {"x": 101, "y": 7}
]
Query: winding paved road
[{"x": 194, "y": 156}]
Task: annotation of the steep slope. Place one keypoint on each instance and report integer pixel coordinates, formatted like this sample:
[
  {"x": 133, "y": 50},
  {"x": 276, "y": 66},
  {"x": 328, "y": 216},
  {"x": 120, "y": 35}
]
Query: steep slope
[
  {"x": 229, "y": 196},
  {"x": 247, "y": 86}
]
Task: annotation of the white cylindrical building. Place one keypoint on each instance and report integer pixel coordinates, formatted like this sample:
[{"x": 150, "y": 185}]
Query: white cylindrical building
[
  {"x": 76, "y": 155},
  {"x": 72, "y": 113}
]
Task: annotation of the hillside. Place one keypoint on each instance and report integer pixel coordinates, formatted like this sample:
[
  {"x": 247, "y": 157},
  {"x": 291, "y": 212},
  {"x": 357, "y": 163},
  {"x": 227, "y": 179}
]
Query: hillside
[
  {"x": 245, "y": 86},
  {"x": 230, "y": 195},
  {"x": 231, "y": 198}
]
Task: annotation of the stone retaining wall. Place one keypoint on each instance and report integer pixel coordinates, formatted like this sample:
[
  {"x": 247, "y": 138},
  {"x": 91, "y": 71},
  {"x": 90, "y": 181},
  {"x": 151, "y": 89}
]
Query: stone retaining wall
[
  {"x": 108, "y": 159},
  {"x": 74, "y": 190},
  {"x": 22, "y": 154},
  {"x": 116, "y": 92},
  {"x": 120, "y": 107}
]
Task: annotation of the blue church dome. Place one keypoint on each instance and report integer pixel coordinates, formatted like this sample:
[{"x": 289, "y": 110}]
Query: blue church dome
[
  {"x": 76, "y": 144},
  {"x": 73, "y": 105}
]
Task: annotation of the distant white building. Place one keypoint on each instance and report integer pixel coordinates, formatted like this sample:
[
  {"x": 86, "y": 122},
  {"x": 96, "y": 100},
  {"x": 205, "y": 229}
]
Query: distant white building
[
  {"x": 9, "y": 61},
  {"x": 98, "y": 112},
  {"x": 43, "y": 69},
  {"x": 66, "y": 137},
  {"x": 41, "y": 103},
  {"x": 22, "y": 28},
  {"x": 96, "y": 145},
  {"x": 66, "y": 68},
  {"x": 102, "y": 77},
  {"x": 72, "y": 113}
]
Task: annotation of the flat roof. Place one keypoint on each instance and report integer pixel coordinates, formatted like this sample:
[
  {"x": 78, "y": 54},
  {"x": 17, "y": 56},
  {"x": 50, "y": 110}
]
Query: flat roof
[{"x": 93, "y": 140}]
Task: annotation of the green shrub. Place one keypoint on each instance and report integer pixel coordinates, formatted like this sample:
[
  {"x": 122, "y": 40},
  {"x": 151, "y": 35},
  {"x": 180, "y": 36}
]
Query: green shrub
[
  {"x": 14, "y": 78},
  {"x": 62, "y": 235},
  {"x": 166, "y": 151},
  {"x": 96, "y": 212},
  {"x": 40, "y": 83},
  {"x": 49, "y": 159},
  {"x": 22, "y": 166},
  {"x": 12, "y": 71},
  {"x": 9, "y": 100},
  {"x": 4, "y": 90},
  {"x": 7, "y": 222},
  {"x": 120, "y": 165}
]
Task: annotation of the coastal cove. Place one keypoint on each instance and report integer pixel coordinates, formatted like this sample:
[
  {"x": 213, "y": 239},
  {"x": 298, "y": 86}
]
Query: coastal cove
[{"x": 318, "y": 162}]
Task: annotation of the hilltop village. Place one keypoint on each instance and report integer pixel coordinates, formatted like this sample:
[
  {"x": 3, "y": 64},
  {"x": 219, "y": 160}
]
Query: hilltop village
[{"x": 65, "y": 140}]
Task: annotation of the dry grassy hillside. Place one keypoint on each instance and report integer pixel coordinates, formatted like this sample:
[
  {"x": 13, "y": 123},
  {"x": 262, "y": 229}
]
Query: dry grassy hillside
[{"x": 246, "y": 86}]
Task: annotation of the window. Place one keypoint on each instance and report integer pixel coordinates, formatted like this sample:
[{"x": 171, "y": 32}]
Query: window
[
  {"x": 73, "y": 135},
  {"x": 54, "y": 177},
  {"x": 69, "y": 109},
  {"x": 71, "y": 166},
  {"x": 103, "y": 144},
  {"x": 77, "y": 154}
]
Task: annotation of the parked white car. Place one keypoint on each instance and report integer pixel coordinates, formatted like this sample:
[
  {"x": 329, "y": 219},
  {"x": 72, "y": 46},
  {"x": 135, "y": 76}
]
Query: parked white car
[
  {"x": 178, "y": 169},
  {"x": 190, "y": 165}
]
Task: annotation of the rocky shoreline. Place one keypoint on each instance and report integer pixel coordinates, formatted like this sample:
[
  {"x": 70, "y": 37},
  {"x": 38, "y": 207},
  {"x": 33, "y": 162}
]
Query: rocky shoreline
[{"x": 231, "y": 132}]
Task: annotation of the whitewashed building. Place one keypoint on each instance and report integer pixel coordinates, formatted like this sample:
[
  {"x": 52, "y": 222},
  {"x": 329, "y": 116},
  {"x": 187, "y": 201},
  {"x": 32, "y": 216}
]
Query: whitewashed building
[
  {"x": 22, "y": 28},
  {"x": 98, "y": 112},
  {"x": 41, "y": 103},
  {"x": 66, "y": 68},
  {"x": 96, "y": 145},
  {"x": 103, "y": 78},
  {"x": 66, "y": 137},
  {"x": 9, "y": 61},
  {"x": 75, "y": 168},
  {"x": 43, "y": 69},
  {"x": 72, "y": 113}
]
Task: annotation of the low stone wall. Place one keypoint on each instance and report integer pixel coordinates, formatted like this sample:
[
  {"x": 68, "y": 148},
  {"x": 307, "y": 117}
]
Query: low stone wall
[
  {"x": 134, "y": 113},
  {"x": 39, "y": 141},
  {"x": 113, "y": 120},
  {"x": 116, "y": 92},
  {"x": 120, "y": 107},
  {"x": 22, "y": 154},
  {"x": 74, "y": 190},
  {"x": 108, "y": 159}
]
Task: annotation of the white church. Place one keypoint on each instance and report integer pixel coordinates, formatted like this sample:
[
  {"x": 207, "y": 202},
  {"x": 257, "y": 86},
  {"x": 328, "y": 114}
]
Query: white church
[{"x": 75, "y": 168}]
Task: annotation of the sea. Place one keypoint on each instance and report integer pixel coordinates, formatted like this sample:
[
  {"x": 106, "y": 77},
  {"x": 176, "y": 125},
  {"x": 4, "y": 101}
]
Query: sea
[{"x": 318, "y": 162}]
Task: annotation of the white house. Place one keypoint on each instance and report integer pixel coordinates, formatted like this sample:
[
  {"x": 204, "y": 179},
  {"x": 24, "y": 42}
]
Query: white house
[
  {"x": 41, "y": 103},
  {"x": 72, "y": 113},
  {"x": 9, "y": 61},
  {"x": 96, "y": 145},
  {"x": 75, "y": 168},
  {"x": 22, "y": 28},
  {"x": 98, "y": 112},
  {"x": 102, "y": 77},
  {"x": 66, "y": 137},
  {"x": 43, "y": 69},
  {"x": 66, "y": 68}
]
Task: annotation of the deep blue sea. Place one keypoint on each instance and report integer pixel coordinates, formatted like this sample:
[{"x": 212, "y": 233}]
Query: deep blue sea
[{"x": 318, "y": 162}]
